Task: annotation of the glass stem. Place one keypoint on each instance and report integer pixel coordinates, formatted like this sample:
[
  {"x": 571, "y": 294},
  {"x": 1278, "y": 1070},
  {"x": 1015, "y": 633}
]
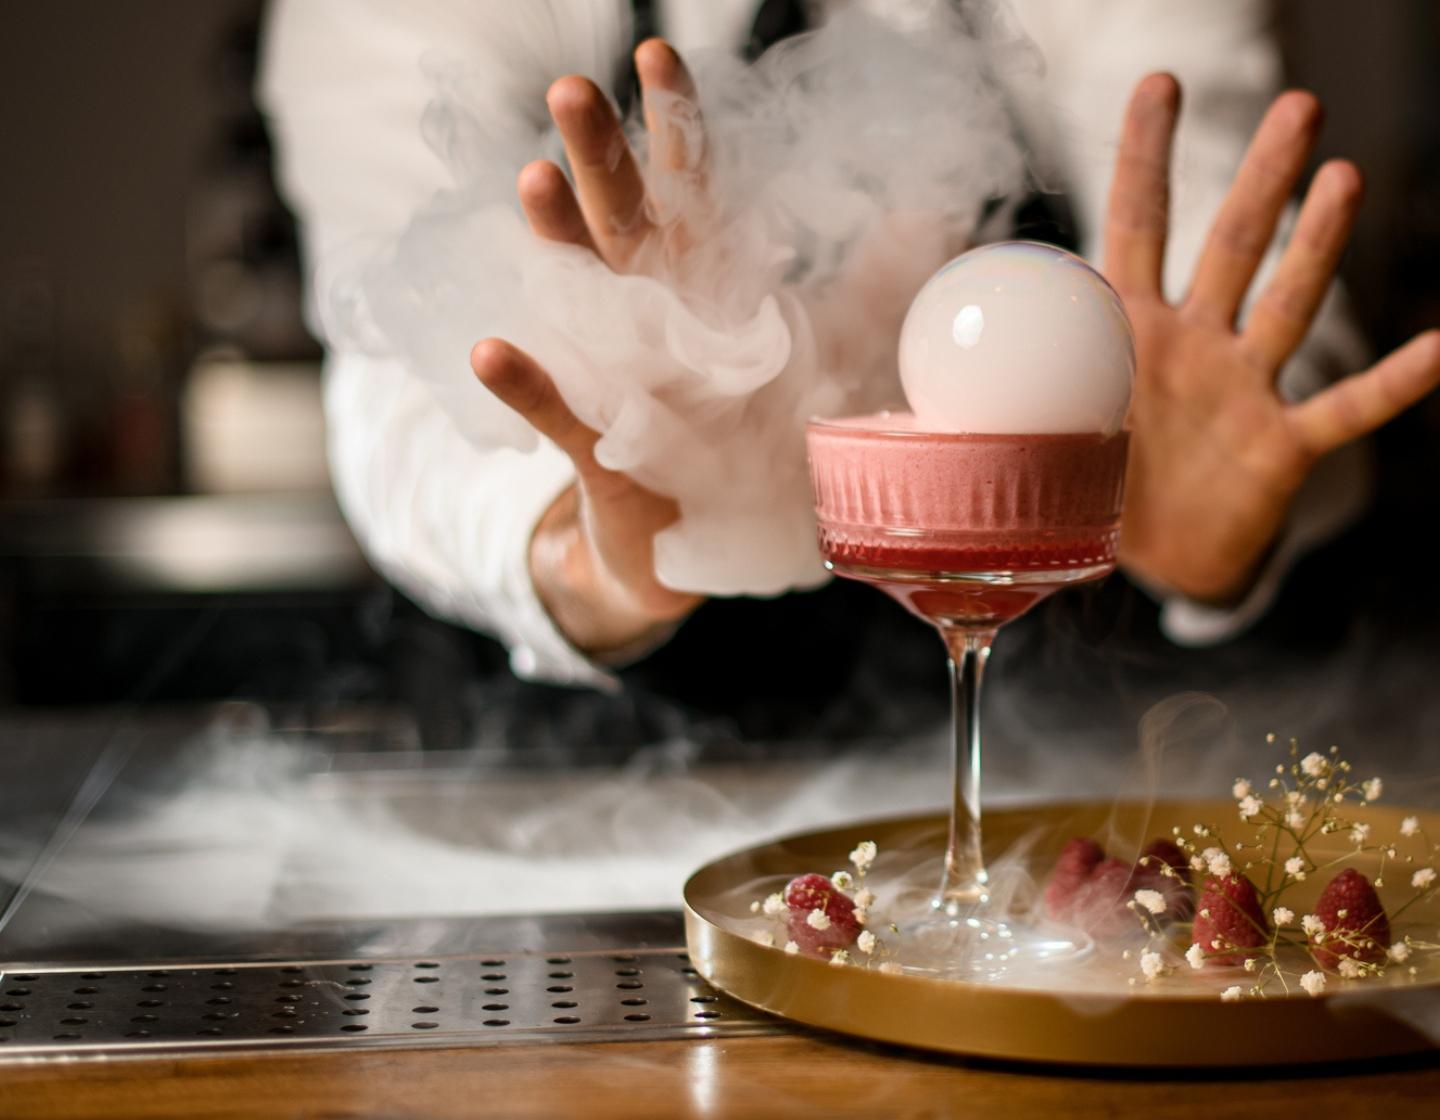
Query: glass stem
[{"x": 965, "y": 883}]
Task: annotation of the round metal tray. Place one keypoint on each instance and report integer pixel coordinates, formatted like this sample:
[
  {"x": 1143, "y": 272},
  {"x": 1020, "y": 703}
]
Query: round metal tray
[{"x": 1161, "y": 1025}]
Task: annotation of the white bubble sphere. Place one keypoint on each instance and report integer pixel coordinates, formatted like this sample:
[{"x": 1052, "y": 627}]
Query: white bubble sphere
[{"x": 1017, "y": 338}]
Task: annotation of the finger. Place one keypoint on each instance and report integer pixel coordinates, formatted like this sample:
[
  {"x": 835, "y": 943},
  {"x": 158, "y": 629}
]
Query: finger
[
  {"x": 550, "y": 205},
  {"x": 1282, "y": 314},
  {"x": 1245, "y": 225},
  {"x": 1363, "y": 402},
  {"x": 672, "y": 112},
  {"x": 520, "y": 382},
  {"x": 1139, "y": 209},
  {"x": 608, "y": 185}
]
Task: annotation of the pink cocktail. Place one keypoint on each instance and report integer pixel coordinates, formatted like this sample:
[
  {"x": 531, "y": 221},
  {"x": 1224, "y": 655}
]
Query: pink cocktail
[{"x": 968, "y": 532}]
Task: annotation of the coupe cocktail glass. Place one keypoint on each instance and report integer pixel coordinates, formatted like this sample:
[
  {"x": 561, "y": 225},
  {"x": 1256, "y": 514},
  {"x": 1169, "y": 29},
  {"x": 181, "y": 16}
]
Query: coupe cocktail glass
[{"x": 968, "y": 532}]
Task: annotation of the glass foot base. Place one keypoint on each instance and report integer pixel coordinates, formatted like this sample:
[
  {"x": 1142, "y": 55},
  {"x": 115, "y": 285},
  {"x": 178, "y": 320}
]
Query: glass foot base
[{"x": 975, "y": 947}]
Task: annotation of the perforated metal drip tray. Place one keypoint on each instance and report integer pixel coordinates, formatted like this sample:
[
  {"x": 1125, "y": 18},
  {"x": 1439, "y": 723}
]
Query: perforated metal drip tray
[{"x": 470, "y": 1000}]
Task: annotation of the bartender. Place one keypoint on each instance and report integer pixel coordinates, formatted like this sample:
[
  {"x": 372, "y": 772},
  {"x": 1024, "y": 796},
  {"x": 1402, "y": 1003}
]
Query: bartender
[{"x": 552, "y": 554}]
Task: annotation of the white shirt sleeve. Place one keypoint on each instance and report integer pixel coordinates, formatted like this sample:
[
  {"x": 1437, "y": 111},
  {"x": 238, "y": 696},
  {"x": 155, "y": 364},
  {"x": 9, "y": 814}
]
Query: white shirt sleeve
[
  {"x": 447, "y": 522},
  {"x": 1229, "y": 67}
]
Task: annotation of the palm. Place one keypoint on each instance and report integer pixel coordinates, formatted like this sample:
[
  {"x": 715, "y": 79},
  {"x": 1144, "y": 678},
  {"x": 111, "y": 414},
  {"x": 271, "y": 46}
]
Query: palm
[{"x": 1217, "y": 455}]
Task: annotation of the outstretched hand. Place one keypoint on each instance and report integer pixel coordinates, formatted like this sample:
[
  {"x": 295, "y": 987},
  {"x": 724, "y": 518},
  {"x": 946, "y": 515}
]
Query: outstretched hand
[
  {"x": 592, "y": 554},
  {"x": 1216, "y": 454}
]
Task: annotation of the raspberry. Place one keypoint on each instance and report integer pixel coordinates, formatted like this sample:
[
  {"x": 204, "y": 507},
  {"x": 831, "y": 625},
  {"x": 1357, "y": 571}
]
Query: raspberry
[
  {"x": 1229, "y": 914},
  {"x": 1363, "y": 934},
  {"x": 1077, "y": 860},
  {"x": 1090, "y": 891},
  {"x": 805, "y": 895}
]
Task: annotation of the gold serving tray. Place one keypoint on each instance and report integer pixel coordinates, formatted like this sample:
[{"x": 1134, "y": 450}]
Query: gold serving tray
[{"x": 1165, "y": 1025}]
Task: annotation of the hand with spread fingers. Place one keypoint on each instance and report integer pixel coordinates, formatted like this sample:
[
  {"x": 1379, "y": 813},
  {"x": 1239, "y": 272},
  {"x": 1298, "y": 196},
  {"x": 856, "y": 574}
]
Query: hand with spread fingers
[
  {"x": 1217, "y": 455},
  {"x": 592, "y": 555}
]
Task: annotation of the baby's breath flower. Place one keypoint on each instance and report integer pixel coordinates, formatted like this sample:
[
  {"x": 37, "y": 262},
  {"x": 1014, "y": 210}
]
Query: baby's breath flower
[
  {"x": 1198, "y": 862},
  {"x": 1359, "y": 834},
  {"x": 843, "y": 880},
  {"x": 890, "y": 968},
  {"x": 1409, "y": 826},
  {"x": 1295, "y": 819},
  {"x": 1241, "y": 788},
  {"x": 1152, "y": 965},
  {"x": 1219, "y": 863},
  {"x": 839, "y": 957},
  {"x": 1350, "y": 968},
  {"x": 1294, "y": 797},
  {"x": 866, "y": 942},
  {"x": 1400, "y": 952},
  {"x": 1153, "y": 901},
  {"x": 792, "y": 947},
  {"x": 1313, "y": 765},
  {"x": 1313, "y": 983},
  {"x": 864, "y": 899},
  {"x": 863, "y": 855},
  {"x": 755, "y": 907},
  {"x": 1231, "y": 994},
  {"x": 1196, "y": 956},
  {"x": 1283, "y": 915},
  {"x": 774, "y": 905},
  {"x": 1373, "y": 789},
  {"x": 1312, "y": 925},
  {"x": 1249, "y": 807},
  {"x": 862, "y": 916},
  {"x": 1295, "y": 867},
  {"x": 766, "y": 938},
  {"x": 817, "y": 919},
  {"x": 1422, "y": 878},
  {"x": 1251, "y": 964}
]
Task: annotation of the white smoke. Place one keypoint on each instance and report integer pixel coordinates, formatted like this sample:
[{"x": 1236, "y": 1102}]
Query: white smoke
[{"x": 839, "y": 171}]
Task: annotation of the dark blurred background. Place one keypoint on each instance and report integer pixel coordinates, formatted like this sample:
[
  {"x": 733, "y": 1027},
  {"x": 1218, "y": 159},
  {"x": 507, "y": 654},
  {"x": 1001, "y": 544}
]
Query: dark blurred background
[{"x": 167, "y": 533}]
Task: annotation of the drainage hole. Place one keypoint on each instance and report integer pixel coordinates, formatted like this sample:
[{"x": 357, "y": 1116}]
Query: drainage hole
[
  {"x": 688, "y": 972},
  {"x": 624, "y": 960},
  {"x": 568, "y": 1020},
  {"x": 137, "y": 1034},
  {"x": 358, "y": 995},
  {"x": 25, "y": 977},
  {"x": 288, "y": 999},
  {"x": 497, "y": 991},
  {"x": 427, "y": 979},
  {"x": 495, "y": 1007},
  {"x": 424, "y": 1026},
  {"x": 66, "y": 1037},
  {"x": 707, "y": 1014},
  {"x": 74, "y": 1021},
  {"x": 221, "y": 1001},
  {"x": 159, "y": 972},
  {"x": 501, "y": 964},
  {"x": 283, "y": 984},
  {"x": 358, "y": 981},
  {"x": 494, "y": 975},
  {"x": 424, "y": 1010},
  {"x": 683, "y": 957},
  {"x": 8, "y": 1022},
  {"x": 81, "y": 1005},
  {"x": 557, "y": 960},
  {"x": 362, "y": 968},
  {"x": 146, "y": 988},
  {"x": 86, "y": 991},
  {"x": 557, "y": 988},
  {"x": 150, "y": 1003},
  {"x": 638, "y": 1017},
  {"x": 629, "y": 985},
  {"x": 495, "y": 1023},
  {"x": 627, "y": 972},
  {"x": 92, "y": 976},
  {"x": 427, "y": 964},
  {"x": 292, "y": 968},
  {"x": 562, "y": 1004},
  {"x": 220, "y": 1016},
  {"x": 356, "y": 1011},
  {"x": 145, "y": 1018},
  {"x": 287, "y": 1013},
  {"x": 352, "y": 1027},
  {"x": 632, "y": 1002},
  {"x": 558, "y": 976},
  {"x": 12, "y": 1007},
  {"x": 224, "y": 972},
  {"x": 223, "y": 986},
  {"x": 210, "y": 1031},
  {"x": 703, "y": 999},
  {"x": 17, "y": 991},
  {"x": 282, "y": 1030}
]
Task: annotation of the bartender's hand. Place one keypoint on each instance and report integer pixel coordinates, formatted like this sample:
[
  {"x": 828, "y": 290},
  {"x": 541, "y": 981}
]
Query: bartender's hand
[
  {"x": 592, "y": 555},
  {"x": 1216, "y": 454}
]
